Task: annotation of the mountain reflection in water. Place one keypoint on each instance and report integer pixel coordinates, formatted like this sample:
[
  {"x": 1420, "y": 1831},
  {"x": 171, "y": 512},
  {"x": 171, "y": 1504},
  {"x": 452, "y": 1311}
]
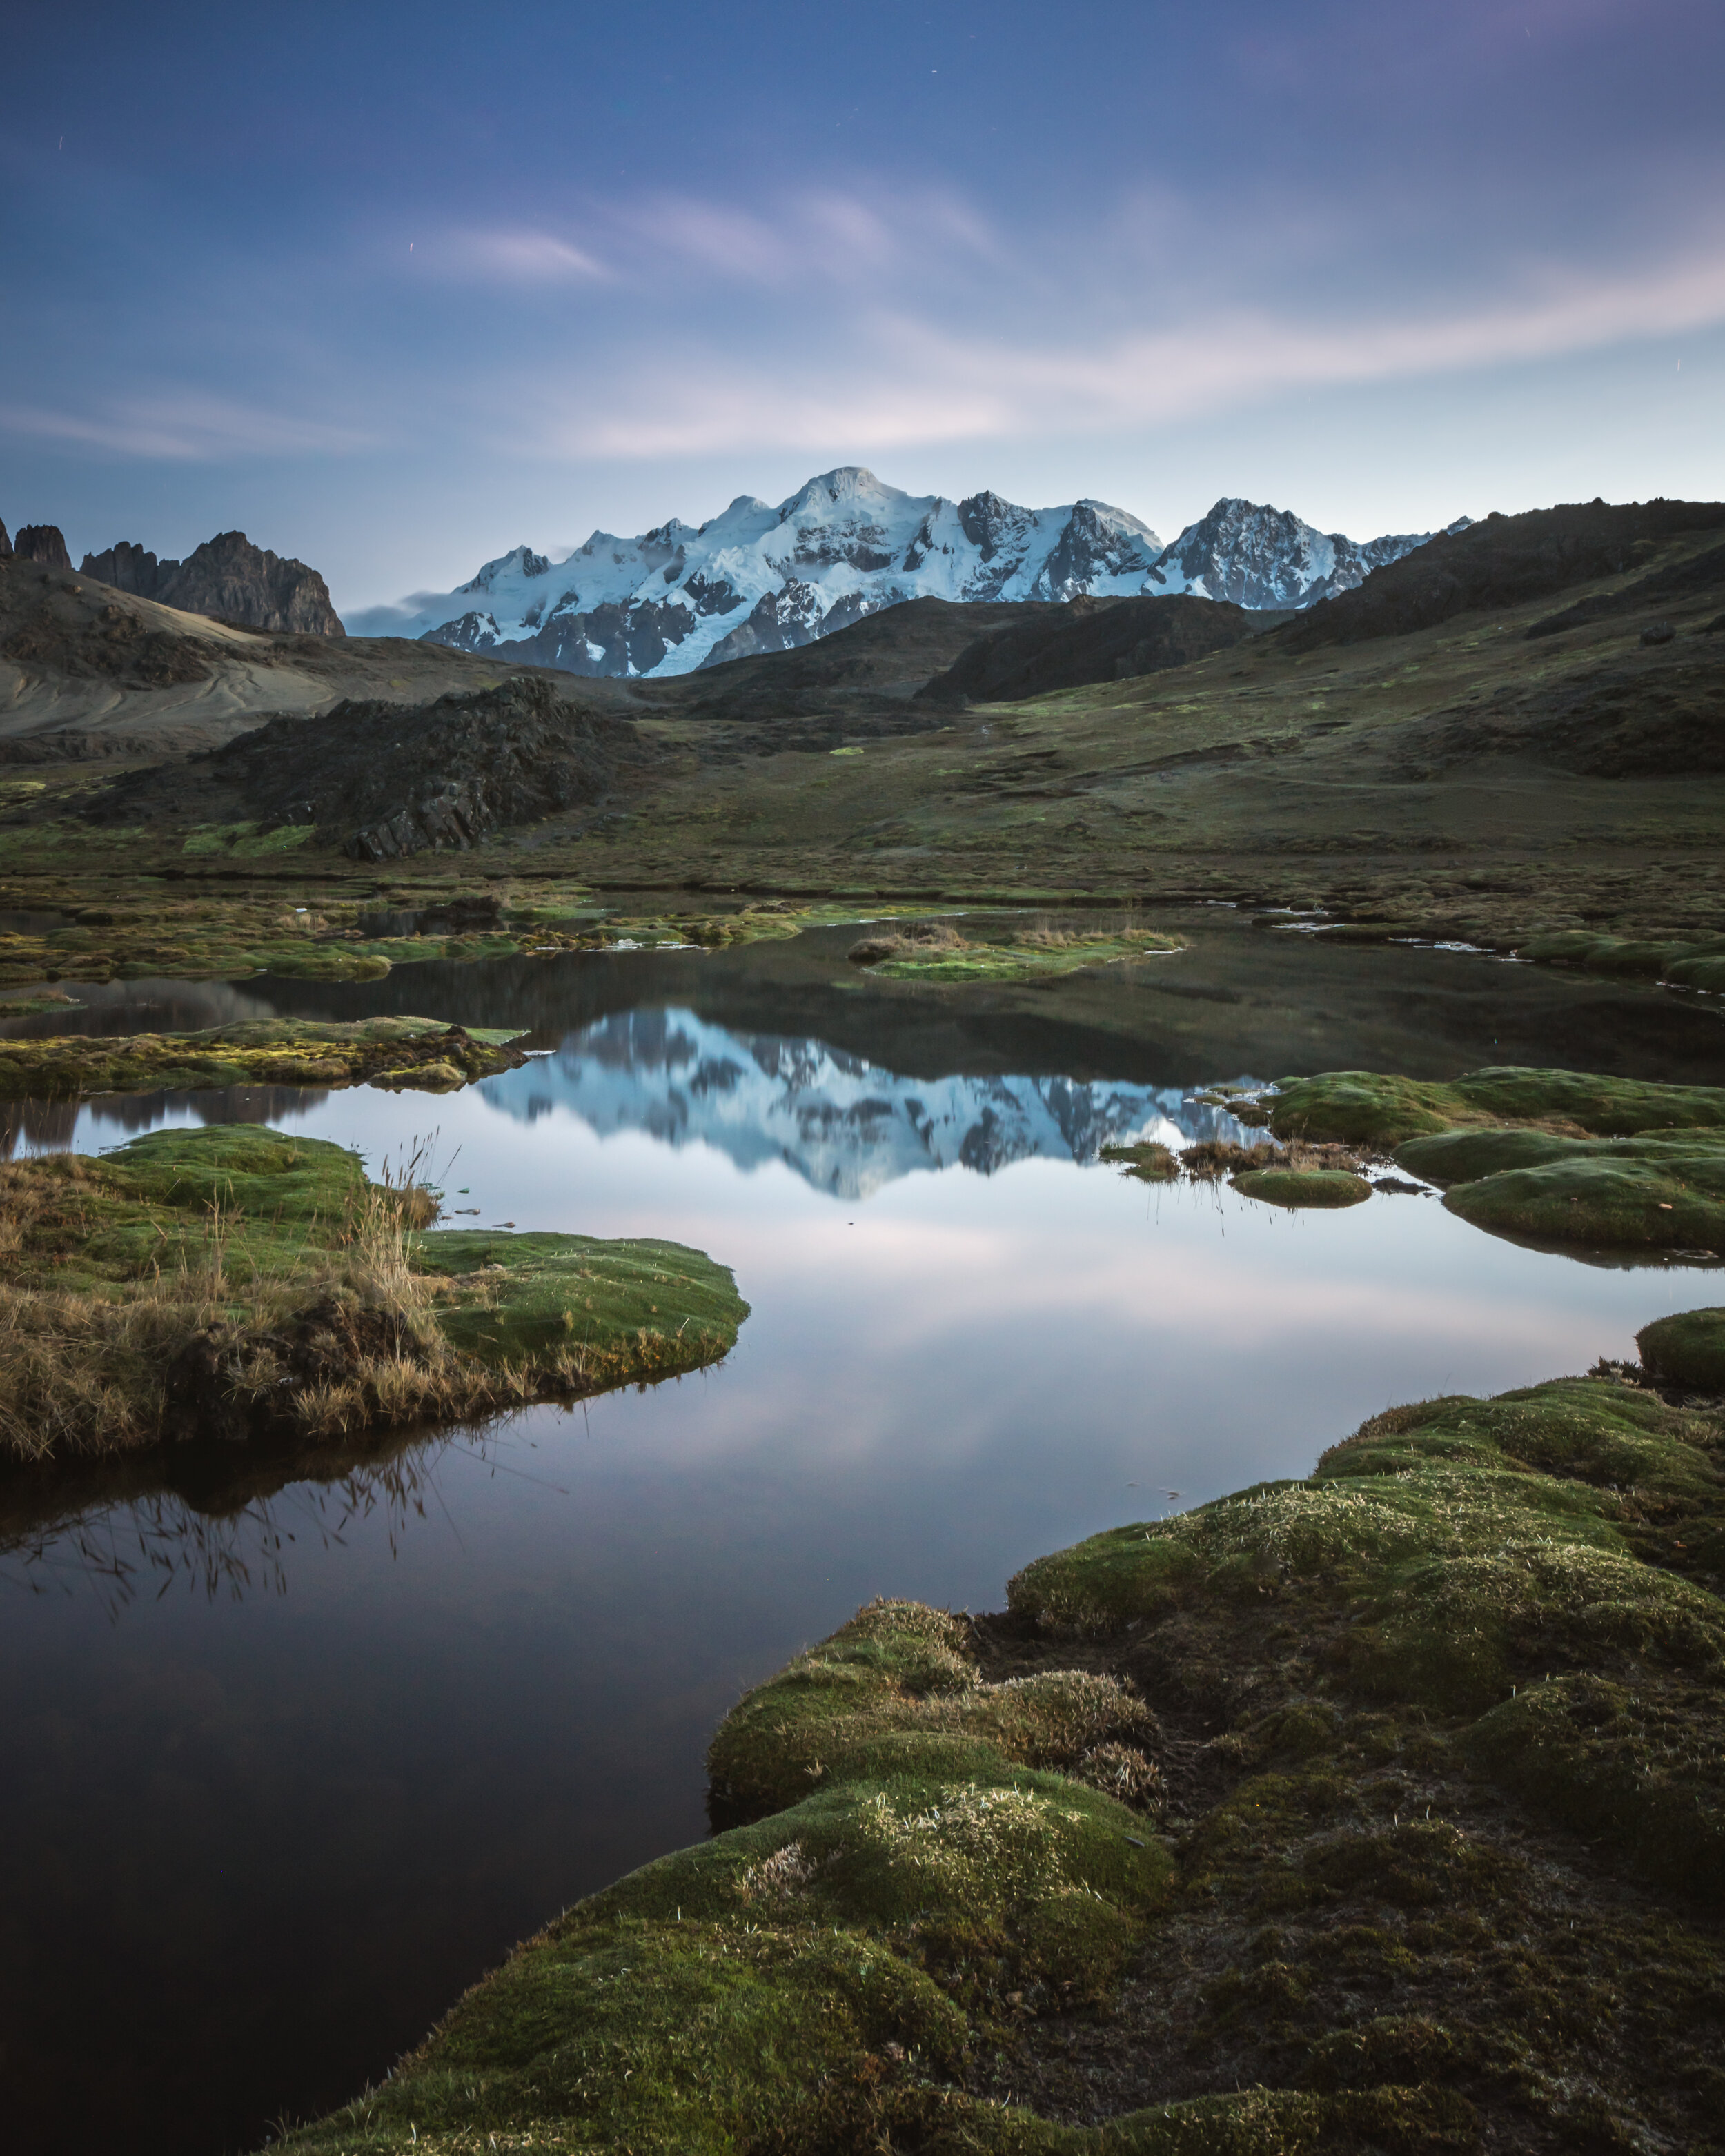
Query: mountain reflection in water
[{"x": 845, "y": 1125}]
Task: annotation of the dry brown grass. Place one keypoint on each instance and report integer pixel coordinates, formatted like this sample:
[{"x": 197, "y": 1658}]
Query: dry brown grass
[
  {"x": 91, "y": 1369},
  {"x": 1215, "y": 1158}
]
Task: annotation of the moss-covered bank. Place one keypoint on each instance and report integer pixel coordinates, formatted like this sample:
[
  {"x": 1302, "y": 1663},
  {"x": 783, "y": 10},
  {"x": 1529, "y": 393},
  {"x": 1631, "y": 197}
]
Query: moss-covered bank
[
  {"x": 232, "y": 1284},
  {"x": 417, "y": 1053},
  {"x": 1380, "y": 1811},
  {"x": 1551, "y": 1156}
]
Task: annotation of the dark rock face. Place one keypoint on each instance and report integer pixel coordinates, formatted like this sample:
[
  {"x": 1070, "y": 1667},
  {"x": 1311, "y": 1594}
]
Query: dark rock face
[
  {"x": 227, "y": 578},
  {"x": 128, "y": 567},
  {"x": 394, "y": 780},
  {"x": 1090, "y": 640},
  {"x": 1503, "y": 561},
  {"x": 5, "y": 544},
  {"x": 44, "y": 543}
]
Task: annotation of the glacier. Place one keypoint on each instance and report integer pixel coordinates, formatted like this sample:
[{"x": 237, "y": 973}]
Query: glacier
[{"x": 759, "y": 578}]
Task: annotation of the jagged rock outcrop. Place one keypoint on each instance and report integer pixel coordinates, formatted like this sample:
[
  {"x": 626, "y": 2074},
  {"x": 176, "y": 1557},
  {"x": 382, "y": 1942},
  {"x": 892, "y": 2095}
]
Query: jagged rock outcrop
[
  {"x": 228, "y": 578},
  {"x": 388, "y": 780},
  {"x": 5, "y": 544},
  {"x": 44, "y": 543},
  {"x": 128, "y": 567}
]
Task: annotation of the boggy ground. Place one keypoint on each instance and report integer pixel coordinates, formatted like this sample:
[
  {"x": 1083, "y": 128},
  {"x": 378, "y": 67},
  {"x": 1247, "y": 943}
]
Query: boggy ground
[
  {"x": 232, "y": 1286},
  {"x": 1380, "y": 1811}
]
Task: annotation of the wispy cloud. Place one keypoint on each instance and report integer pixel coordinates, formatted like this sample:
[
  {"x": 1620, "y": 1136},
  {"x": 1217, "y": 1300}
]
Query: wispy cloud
[
  {"x": 185, "y": 428},
  {"x": 904, "y": 379},
  {"x": 518, "y": 255}
]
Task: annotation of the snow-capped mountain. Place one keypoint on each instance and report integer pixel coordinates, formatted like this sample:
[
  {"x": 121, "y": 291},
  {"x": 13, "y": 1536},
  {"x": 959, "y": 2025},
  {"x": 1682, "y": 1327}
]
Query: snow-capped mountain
[
  {"x": 759, "y": 578},
  {"x": 845, "y": 1125},
  {"x": 1260, "y": 556}
]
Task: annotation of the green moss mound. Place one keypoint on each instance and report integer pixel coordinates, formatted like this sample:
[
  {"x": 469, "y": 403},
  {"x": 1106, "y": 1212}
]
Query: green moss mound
[
  {"x": 404, "y": 1052},
  {"x": 1375, "y": 1108},
  {"x": 1006, "y": 954},
  {"x": 1545, "y": 1156},
  {"x": 1464, "y": 1156},
  {"x": 1148, "y": 1163},
  {"x": 1645, "y": 1192},
  {"x": 1707, "y": 974},
  {"x": 1635, "y": 1766},
  {"x": 1320, "y": 1188},
  {"x": 897, "y": 1691},
  {"x": 232, "y": 1282},
  {"x": 1687, "y": 1350},
  {"x": 615, "y": 1311}
]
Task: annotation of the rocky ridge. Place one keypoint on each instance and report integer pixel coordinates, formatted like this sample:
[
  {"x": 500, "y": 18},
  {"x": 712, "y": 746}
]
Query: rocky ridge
[{"x": 227, "y": 578}]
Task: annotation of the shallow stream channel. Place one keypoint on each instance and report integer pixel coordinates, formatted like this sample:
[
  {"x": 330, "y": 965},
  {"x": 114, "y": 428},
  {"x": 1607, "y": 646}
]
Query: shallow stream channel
[{"x": 296, "y": 1750}]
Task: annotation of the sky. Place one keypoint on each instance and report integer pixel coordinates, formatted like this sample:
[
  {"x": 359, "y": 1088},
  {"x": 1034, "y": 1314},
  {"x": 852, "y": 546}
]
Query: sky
[{"x": 393, "y": 289}]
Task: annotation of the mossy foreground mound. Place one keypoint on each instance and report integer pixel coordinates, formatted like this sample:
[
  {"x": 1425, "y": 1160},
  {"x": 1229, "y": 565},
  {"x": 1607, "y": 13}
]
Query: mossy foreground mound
[
  {"x": 232, "y": 1284},
  {"x": 1378, "y": 1812},
  {"x": 1551, "y": 1156},
  {"x": 1293, "y": 1188},
  {"x": 1686, "y": 1350},
  {"x": 417, "y": 1052}
]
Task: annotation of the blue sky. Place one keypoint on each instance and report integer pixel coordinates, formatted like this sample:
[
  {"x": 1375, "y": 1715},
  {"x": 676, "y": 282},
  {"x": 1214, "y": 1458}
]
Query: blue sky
[{"x": 394, "y": 288}]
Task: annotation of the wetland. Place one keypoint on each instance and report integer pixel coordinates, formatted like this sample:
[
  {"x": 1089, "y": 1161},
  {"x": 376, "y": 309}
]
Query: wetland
[{"x": 318, "y": 1727}]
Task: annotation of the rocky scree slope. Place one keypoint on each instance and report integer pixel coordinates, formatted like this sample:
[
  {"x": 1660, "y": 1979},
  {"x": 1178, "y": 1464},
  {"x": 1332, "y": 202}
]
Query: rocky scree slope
[
  {"x": 759, "y": 579},
  {"x": 227, "y": 578}
]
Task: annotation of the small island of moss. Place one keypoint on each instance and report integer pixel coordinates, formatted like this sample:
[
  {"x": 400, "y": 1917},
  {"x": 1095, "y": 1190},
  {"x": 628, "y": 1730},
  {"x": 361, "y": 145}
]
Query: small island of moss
[{"x": 234, "y": 1284}]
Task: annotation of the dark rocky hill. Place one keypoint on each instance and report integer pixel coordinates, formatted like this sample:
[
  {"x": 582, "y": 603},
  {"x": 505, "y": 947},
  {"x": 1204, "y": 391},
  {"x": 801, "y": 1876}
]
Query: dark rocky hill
[
  {"x": 887, "y": 655},
  {"x": 383, "y": 780},
  {"x": 227, "y": 578},
  {"x": 1503, "y": 561},
  {"x": 1089, "y": 640}
]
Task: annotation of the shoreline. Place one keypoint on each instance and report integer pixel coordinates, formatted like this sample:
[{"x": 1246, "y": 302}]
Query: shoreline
[{"x": 1381, "y": 1809}]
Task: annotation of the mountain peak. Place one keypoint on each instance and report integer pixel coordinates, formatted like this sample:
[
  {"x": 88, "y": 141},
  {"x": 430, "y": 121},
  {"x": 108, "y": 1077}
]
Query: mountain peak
[{"x": 757, "y": 578}]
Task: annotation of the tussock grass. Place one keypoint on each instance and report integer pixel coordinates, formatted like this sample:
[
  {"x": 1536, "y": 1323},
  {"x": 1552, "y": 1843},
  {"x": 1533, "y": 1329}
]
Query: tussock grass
[{"x": 229, "y": 1283}]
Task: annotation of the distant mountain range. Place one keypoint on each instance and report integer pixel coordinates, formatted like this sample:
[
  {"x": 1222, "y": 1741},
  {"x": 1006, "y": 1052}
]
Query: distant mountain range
[
  {"x": 759, "y": 578},
  {"x": 844, "y": 1124}
]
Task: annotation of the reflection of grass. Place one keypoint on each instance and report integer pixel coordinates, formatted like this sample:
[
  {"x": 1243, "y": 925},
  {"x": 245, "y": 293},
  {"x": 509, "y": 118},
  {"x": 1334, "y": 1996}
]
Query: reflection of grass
[{"x": 231, "y": 1283}]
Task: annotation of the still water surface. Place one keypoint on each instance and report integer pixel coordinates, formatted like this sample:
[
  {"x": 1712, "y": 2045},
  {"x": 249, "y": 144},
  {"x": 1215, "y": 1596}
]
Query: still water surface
[{"x": 288, "y": 1767}]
